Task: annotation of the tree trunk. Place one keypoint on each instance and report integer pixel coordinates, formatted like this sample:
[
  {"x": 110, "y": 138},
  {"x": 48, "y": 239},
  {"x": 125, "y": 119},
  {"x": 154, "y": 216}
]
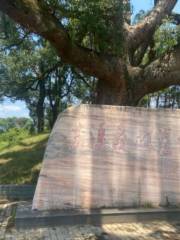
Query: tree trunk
[
  {"x": 55, "y": 112},
  {"x": 157, "y": 100},
  {"x": 40, "y": 107},
  {"x": 165, "y": 100},
  {"x": 112, "y": 94},
  {"x": 55, "y": 109},
  {"x": 40, "y": 118}
]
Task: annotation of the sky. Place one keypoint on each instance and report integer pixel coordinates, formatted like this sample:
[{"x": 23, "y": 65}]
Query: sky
[
  {"x": 18, "y": 108},
  {"x": 10, "y": 109}
]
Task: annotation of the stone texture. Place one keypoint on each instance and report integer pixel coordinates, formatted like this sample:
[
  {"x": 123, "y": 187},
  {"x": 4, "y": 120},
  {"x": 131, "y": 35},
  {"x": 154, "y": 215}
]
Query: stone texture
[{"x": 107, "y": 156}]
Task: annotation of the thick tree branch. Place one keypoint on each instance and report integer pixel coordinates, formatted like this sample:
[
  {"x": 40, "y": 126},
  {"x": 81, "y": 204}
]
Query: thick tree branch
[
  {"x": 139, "y": 54},
  {"x": 163, "y": 72},
  {"x": 34, "y": 15},
  {"x": 144, "y": 30},
  {"x": 176, "y": 18}
]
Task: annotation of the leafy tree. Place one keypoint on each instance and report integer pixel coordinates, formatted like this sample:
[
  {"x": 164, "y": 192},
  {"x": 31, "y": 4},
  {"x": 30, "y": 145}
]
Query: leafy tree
[
  {"x": 38, "y": 76},
  {"x": 97, "y": 38},
  {"x": 166, "y": 38}
]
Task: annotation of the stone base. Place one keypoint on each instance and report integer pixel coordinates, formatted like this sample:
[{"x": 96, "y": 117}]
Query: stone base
[{"x": 27, "y": 218}]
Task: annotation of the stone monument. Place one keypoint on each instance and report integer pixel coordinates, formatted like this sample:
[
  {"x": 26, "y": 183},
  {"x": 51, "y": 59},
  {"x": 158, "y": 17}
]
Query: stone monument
[{"x": 109, "y": 156}]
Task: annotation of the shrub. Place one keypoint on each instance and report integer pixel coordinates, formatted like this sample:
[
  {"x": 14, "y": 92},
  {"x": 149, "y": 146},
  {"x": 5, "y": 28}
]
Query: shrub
[{"x": 14, "y": 136}]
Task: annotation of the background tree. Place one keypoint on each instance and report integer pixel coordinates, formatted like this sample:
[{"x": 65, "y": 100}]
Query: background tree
[
  {"x": 8, "y": 123},
  {"x": 37, "y": 75}
]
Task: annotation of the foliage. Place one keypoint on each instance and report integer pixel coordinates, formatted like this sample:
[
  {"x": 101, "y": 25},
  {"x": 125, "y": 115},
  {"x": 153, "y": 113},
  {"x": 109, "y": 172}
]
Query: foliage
[
  {"x": 168, "y": 98},
  {"x": 13, "y": 122},
  {"x": 96, "y": 24},
  {"x": 13, "y": 130},
  {"x": 13, "y": 136},
  {"x": 20, "y": 164},
  {"x": 166, "y": 38},
  {"x": 41, "y": 79}
]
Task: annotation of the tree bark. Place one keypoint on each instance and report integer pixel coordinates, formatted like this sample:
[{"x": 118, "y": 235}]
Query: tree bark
[
  {"x": 162, "y": 73},
  {"x": 143, "y": 31},
  {"x": 107, "y": 94},
  {"x": 114, "y": 94},
  {"x": 157, "y": 100},
  {"x": 54, "y": 94},
  {"x": 55, "y": 111},
  {"x": 40, "y": 107}
]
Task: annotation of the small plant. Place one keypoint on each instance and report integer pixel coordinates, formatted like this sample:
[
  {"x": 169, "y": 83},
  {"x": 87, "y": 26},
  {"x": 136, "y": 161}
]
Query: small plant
[
  {"x": 147, "y": 205},
  {"x": 13, "y": 136}
]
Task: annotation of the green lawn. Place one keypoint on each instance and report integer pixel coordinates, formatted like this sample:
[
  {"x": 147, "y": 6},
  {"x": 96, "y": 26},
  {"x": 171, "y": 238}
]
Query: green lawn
[{"x": 20, "y": 164}]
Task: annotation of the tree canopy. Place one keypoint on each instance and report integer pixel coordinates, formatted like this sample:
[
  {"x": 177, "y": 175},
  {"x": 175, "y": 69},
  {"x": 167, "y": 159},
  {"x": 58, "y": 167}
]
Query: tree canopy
[{"x": 121, "y": 61}]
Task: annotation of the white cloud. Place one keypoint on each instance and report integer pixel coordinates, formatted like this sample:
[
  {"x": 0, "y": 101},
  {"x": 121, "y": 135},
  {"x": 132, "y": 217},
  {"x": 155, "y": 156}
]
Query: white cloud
[
  {"x": 10, "y": 108},
  {"x": 16, "y": 109}
]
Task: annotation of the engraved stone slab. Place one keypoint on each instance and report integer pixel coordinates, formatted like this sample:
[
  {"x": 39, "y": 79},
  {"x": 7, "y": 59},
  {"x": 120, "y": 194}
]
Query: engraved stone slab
[{"x": 108, "y": 156}]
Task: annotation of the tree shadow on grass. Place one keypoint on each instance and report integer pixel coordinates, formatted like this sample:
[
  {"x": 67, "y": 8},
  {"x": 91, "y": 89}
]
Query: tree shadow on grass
[{"x": 22, "y": 166}]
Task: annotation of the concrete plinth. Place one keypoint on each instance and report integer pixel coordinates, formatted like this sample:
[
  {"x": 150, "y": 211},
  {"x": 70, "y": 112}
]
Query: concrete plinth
[{"x": 27, "y": 218}]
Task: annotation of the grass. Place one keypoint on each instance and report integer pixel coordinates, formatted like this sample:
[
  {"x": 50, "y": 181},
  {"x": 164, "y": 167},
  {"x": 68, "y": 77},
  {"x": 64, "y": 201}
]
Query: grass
[{"x": 21, "y": 163}]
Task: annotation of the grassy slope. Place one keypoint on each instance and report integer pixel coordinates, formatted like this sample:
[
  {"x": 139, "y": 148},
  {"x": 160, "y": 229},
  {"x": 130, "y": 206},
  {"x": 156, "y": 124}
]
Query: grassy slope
[{"x": 21, "y": 163}]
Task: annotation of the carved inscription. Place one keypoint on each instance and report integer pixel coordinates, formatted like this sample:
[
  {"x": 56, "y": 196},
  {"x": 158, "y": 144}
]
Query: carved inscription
[{"x": 120, "y": 140}]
